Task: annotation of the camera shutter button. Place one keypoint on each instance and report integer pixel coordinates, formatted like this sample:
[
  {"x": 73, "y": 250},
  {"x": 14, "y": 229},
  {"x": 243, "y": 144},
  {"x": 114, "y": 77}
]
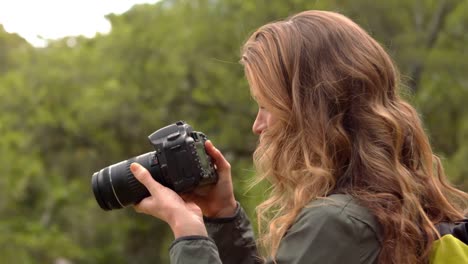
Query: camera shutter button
[{"x": 173, "y": 136}]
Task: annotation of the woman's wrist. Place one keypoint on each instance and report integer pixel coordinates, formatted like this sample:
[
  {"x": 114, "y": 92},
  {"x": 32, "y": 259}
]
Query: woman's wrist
[
  {"x": 226, "y": 211},
  {"x": 191, "y": 225}
]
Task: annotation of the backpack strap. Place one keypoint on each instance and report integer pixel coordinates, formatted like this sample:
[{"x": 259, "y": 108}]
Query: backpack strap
[
  {"x": 452, "y": 247},
  {"x": 458, "y": 229}
]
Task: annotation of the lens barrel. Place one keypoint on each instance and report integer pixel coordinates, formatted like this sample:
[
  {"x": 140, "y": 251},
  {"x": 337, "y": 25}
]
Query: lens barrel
[{"x": 115, "y": 186}]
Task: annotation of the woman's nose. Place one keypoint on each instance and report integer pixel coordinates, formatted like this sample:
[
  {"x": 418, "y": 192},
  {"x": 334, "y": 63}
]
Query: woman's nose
[{"x": 259, "y": 125}]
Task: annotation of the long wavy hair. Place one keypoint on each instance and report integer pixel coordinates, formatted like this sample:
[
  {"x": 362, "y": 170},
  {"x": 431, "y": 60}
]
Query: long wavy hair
[{"x": 341, "y": 126}]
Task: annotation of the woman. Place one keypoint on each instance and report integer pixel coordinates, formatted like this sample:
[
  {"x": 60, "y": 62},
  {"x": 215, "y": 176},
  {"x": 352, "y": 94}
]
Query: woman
[{"x": 353, "y": 176}]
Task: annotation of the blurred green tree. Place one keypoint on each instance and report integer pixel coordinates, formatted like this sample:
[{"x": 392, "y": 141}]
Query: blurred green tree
[{"x": 82, "y": 104}]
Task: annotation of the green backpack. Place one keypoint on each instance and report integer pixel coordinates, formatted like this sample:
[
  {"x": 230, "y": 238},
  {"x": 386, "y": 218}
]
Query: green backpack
[{"x": 452, "y": 247}]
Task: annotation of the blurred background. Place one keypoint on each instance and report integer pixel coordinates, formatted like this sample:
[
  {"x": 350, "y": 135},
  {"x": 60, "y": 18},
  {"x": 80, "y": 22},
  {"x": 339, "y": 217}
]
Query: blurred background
[{"x": 70, "y": 106}]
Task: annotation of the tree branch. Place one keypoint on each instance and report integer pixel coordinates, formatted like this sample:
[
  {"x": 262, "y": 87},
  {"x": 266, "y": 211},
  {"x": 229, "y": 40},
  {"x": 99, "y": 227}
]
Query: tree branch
[{"x": 435, "y": 27}]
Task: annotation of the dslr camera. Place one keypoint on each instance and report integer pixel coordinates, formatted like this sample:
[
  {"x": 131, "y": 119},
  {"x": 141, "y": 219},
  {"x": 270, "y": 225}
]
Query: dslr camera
[{"x": 179, "y": 162}]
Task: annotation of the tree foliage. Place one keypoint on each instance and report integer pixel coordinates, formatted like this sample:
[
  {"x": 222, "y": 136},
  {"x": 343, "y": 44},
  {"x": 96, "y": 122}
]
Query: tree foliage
[{"x": 81, "y": 104}]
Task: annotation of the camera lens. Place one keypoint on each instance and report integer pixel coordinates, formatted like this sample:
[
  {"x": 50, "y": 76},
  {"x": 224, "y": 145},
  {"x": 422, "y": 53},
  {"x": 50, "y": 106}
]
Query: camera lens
[{"x": 115, "y": 186}]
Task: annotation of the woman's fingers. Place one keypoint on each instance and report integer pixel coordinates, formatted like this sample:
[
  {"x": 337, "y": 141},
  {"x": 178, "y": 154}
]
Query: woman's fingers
[
  {"x": 221, "y": 163},
  {"x": 138, "y": 208},
  {"x": 144, "y": 206},
  {"x": 185, "y": 218},
  {"x": 143, "y": 176}
]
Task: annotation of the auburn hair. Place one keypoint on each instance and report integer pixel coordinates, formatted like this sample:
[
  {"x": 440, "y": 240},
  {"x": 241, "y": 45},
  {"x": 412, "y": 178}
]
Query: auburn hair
[{"x": 341, "y": 126}]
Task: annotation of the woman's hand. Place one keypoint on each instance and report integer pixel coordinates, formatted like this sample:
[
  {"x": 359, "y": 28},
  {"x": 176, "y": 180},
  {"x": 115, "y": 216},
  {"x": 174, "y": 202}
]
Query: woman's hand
[
  {"x": 215, "y": 201},
  {"x": 184, "y": 218}
]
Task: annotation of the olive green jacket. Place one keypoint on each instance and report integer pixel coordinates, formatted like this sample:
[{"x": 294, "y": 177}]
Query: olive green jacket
[{"x": 332, "y": 230}]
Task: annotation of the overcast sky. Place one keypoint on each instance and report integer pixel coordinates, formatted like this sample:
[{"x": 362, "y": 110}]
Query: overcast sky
[{"x": 36, "y": 20}]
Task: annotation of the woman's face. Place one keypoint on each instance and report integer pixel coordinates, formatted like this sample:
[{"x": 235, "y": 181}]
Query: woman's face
[
  {"x": 263, "y": 121},
  {"x": 264, "y": 117}
]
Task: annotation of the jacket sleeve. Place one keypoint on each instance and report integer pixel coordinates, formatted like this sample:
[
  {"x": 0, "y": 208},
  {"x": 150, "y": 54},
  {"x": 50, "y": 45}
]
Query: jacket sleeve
[
  {"x": 321, "y": 234},
  {"x": 190, "y": 248},
  {"x": 327, "y": 235},
  {"x": 231, "y": 240}
]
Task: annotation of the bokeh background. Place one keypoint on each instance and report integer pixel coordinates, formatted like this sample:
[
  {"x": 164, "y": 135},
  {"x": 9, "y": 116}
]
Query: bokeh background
[{"x": 79, "y": 104}]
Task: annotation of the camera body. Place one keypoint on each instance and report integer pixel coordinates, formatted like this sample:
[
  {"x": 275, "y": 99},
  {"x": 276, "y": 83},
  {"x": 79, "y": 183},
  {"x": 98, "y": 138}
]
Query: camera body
[
  {"x": 179, "y": 162},
  {"x": 180, "y": 154}
]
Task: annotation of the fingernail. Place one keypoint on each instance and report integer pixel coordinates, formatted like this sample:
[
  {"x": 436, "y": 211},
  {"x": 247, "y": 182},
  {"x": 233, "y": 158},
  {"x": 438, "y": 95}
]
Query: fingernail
[{"x": 135, "y": 168}]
